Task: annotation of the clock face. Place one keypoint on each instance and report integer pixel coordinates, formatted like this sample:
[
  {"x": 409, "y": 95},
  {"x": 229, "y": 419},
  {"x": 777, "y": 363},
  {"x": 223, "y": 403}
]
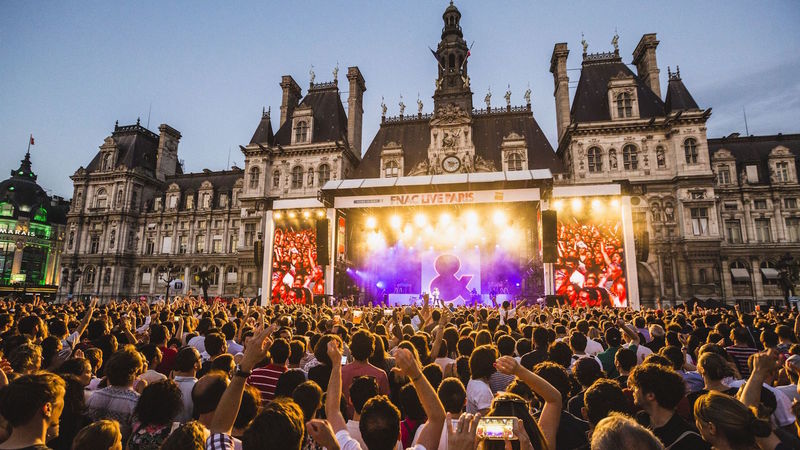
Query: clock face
[{"x": 451, "y": 164}]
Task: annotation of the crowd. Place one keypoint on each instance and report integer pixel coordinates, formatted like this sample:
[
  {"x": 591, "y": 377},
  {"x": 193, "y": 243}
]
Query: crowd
[
  {"x": 296, "y": 275},
  {"x": 191, "y": 375}
]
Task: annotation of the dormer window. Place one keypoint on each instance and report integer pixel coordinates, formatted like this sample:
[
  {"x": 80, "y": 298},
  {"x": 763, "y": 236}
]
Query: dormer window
[
  {"x": 301, "y": 132},
  {"x": 514, "y": 162},
  {"x": 723, "y": 174},
  {"x": 624, "y": 105},
  {"x": 690, "y": 150},
  {"x": 108, "y": 161},
  {"x": 391, "y": 169},
  {"x": 782, "y": 171},
  {"x": 630, "y": 157}
]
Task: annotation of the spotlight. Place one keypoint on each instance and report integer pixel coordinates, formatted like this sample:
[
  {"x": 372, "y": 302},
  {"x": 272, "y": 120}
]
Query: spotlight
[
  {"x": 420, "y": 220},
  {"x": 499, "y": 218},
  {"x": 615, "y": 203},
  {"x": 320, "y": 213},
  {"x": 395, "y": 221},
  {"x": 292, "y": 214},
  {"x": 278, "y": 215},
  {"x": 371, "y": 222},
  {"x": 444, "y": 219},
  {"x": 379, "y": 284},
  {"x": 558, "y": 205},
  {"x": 576, "y": 204},
  {"x": 472, "y": 217},
  {"x": 597, "y": 205},
  {"x": 306, "y": 214}
]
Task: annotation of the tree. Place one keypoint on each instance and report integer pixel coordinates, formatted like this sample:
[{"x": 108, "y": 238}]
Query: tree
[
  {"x": 788, "y": 275},
  {"x": 203, "y": 279}
]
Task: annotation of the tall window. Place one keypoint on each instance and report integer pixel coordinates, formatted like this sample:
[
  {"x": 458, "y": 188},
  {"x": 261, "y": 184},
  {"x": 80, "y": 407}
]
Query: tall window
[
  {"x": 118, "y": 199},
  {"x": 762, "y": 231},
  {"x": 733, "y": 231},
  {"x": 769, "y": 276},
  {"x": 90, "y": 275},
  {"x": 690, "y": 150},
  {"x": 723, "y": 175},
  {"x": 190, "y": 201},
  {"x": 94, "y": 244},
  {"x": 324, "y": 174},
  {"x": 624, "y": 105},
  {"x": 231, "y": 275},
  {"x": 297, "y": 177},
  {"x": 216, "y": 245},
  {"x": 740, "y": 273},
  {"x": 595, "y": 160},
  {"x": 760, "y": 204},
  {"x": 782, "y": 171},
  {"x": 149, "y": 246},
  {"x": 214, "y": 275},
  {"x": 249, "y": 234},
  {"x": 790, "y": 203},
  {"x": 793, "y": 229},
  {"x": 255, "y": 174},
  {"x": 301, "y": 131},
  {"x": 183, "y": 244},
  {"x": 112, "y": 240},
  {"x": 630, "y": 157},
  {"x": 391, "y": 169},
  {"x": 276, "y": 179},
  {"x": 700, "y": 221},
  {"x": 514, "y": 161},
  {"x": 101, "y": 198},
  {"x": 200, "y": 244}
]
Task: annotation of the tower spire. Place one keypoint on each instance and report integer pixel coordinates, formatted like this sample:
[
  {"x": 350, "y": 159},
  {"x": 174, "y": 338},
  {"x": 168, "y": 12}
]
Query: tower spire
[{"x": 452, "y": 84}]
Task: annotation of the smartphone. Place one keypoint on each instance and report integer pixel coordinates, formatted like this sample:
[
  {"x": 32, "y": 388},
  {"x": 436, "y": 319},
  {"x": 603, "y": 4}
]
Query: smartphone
[
  {"x": 358, "y": 313},
  {"x": 496, "y": 428},
  {"x": 344, "y": 360},
  {"x": 387, "y": 312}
]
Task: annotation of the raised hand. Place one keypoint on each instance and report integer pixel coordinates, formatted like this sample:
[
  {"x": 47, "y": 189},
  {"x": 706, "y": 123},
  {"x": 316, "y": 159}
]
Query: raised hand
[
  {"x": 507, "y": 365},
  {"x": 407, "y": 363},
  {"x": 322, "y": 433},
  {"x": 334, "y": 352},
  {"x": 462, "y": 434},
  {"x": 256, "y": 349}
]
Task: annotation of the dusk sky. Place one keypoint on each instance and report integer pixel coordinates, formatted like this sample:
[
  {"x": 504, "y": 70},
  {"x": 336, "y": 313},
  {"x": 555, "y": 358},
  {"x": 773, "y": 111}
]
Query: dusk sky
[{"x": 68, "y": 70}]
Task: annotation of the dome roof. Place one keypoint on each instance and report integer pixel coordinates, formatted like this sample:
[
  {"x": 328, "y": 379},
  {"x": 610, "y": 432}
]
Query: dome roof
[{"x": 22, "y": 191}]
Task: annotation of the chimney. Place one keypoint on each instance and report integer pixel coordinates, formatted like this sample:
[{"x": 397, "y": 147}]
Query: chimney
[
  {"x": 644, "y": 58},
  {"x": 558, "y": 67},
  {"x": 355, "y": 108},
  {"x": 291, "y": 97},
  {"x": 167, "y": 156}
]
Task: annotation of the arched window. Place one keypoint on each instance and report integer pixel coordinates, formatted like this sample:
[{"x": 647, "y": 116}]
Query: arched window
[
  {"x": 769, "y": 275},
  {"x": 89, "y": 275},
  {"x": 630, "y": 157},
  {"x": 624, "y": 105},
  {"x": 740, "y": 272},
  {"x": 276, "y": 179},
  {"x": 213, "y": 275},
  {"x": 301, "y": 131},
  {"x": 514, "y": 162},
  {"x": 297, "y": 177},
  {"x": 118, "y": 199},
  {"x": 255, "y": 174},
  {"x": 324, "y": 172},
  {"x": 391, "y": 169},
  {"x": 690, "y": 150},
  {"x": 595, "y": 156},
  {"x": 101, "y": 198}
]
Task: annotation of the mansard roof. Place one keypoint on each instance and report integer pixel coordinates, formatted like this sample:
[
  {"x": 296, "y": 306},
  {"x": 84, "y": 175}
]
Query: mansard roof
[
  {"x": 263, "y": 134},
  {"x": 330, "y": 119},
  {"x": 591, "y": 97},
  {"x": 749, "y": 150},
  {"x": 678, "y": 97},
  {"x": 221, "y": 180},
  {"x": 488, "y": 131},
  {"x": 136, "y": 147}
]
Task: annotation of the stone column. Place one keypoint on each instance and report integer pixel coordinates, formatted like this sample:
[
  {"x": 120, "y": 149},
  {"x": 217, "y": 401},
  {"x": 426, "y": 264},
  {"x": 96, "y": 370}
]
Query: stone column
[
  {"x": 755, "y": 277},
  {"x": 16, "y": 266}
]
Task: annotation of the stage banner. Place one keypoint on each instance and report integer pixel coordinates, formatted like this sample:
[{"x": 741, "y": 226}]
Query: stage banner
[
  {"x": 438, "y": 198},
  {"x": 454, "y": 275},
  {"x": 296, "y": 276}
]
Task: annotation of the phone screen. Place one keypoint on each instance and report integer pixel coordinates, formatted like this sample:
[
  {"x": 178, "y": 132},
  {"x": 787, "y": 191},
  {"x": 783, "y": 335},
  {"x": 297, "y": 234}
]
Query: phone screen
[
  {"x": 496, "y": 428},
  {"x": 387, "y": 312},
  {"x": 344, "y": 360}
]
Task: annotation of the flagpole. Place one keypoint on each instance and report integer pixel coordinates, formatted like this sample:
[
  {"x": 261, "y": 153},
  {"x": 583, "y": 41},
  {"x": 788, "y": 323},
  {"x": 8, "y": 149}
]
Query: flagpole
[{"x": 30, "y": 138}]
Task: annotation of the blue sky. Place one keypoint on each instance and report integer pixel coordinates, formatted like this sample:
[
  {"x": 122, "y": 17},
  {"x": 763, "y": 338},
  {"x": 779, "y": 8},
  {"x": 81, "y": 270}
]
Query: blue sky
[{"x": 68, "y": 70}]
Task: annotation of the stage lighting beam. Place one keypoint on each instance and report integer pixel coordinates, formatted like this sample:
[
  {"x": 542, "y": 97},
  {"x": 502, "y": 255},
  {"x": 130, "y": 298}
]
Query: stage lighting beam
[
  {"x": 395, "y": 221},
  {"x": 499, "y": 218},
  {"x": 420, "y": 220},
  {"x": 278, "y": 215},
  {"x": 371, "y": 222},
  {"x": 292, "y": 214},
  {"x": 558, "y": 205},
  {"x": 306, "y": 214},
  {"x": 576, "y": 204}
]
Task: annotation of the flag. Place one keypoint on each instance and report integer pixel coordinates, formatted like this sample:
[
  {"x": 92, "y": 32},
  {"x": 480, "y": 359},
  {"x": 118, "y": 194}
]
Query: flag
[
  {"x": 32, "y": 143},
  {"x": 436, "y": 55}
]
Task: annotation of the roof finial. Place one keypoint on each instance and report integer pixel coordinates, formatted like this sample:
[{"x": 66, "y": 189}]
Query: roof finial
[
  {"x": 615, "y": 41},
  {"x": 116, "y": 125},
  {"x": 336, "y": 72},
  {"x": 269, "y": 110},
  {"x": 678, "y": 71},
  {"x": 584, "y": 44},
  {"x": 138, "y": 121},
  {"x": 311, "y": 76},
  {"x": 451, "y": 2}
]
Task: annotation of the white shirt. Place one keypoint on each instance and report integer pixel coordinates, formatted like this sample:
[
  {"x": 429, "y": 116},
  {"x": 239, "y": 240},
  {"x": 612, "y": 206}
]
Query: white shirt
[
  {"x": 479, "y": 396},
  {"x": 234, "y": 347},
  {"x": 783, "y": 413},
  {"x": 576, "y": 358},
  {"x": 442, "y": 439},
  {"x": 185, "y": 384},
  {"x": 592, "y": 347},
  {"x": 346, "y": 442},
  {"x": 444, "y": 362},
  {"x": 641, "y": 352},
  {"x": 198, "y": 342},
  {"x": 151, "y": 376}
]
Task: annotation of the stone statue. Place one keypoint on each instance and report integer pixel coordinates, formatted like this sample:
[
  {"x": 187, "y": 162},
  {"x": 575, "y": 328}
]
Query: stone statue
[
  {"x": 612, "y": 158},
  {"x": 383, "y": 108},
  {"x": 311, "y": 75},
  {"x": 336, "y": 72},
  {"x": 584, "y": 44},
  {"x": 419, "y": 105},
  {"x": 488, "y": 99},
  {"x": 527, "y": 96},
  {"x": 660, "y": 159},
  {"x": 402, "y": 106},
  {"x": 508, "y": 96},
  {"x": 655, "y": 211},
  {"x": 615, "y": 41},
  {"x": 465, "y": 80},
  {"x": 669, "y": 212},
  {"x": 447, "y": 140}
]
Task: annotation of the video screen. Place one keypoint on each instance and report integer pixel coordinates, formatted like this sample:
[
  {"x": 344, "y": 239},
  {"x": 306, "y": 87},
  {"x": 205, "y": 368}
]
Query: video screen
[
  {"x": 296, "y": 276},
  {"x": 590, "y": 271}
]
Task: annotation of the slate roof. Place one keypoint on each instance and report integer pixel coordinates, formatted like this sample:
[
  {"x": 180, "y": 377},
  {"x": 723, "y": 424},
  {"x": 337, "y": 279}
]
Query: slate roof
[
  {"x": 22, "y": 191},
  {"x": 678, "y": 97},
  {"x": 488, "y": 131},
  {"x": 222, "y": 180},
  {"x": 591, "y": 96},
  {"x": 330, "y": 119},
  {"x": 263, "y": 134},
  {"x": 749, "y": 150},
  {"x": 136, "y": 146}
]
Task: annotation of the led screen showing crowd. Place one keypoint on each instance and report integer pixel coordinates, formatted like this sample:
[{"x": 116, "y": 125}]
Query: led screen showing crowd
[
  {"x": 590, "y": 270},
  {"x": 296, "y": 276}
]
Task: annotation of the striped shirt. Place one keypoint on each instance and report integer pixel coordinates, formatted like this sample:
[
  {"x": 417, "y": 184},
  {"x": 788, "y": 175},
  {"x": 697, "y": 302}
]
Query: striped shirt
[
  {"x": 740, "y": 356},
  {"x": 265, "y": 379},
  {"x": 115, "y": 403}
]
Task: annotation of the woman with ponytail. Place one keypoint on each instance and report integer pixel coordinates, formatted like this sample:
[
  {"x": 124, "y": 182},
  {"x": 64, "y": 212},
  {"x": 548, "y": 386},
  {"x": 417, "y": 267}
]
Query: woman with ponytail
[{"x": 727, "y": 424}]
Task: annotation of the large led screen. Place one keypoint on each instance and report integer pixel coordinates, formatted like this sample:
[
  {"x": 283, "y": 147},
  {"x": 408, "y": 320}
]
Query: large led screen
[{"x": 296, "y": 276}]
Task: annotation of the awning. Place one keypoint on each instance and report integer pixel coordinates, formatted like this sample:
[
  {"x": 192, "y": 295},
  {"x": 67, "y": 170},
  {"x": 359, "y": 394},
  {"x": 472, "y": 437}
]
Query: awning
[
  {"x": 740, "y": 275},
  {"x": 770, "y": 273}
]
